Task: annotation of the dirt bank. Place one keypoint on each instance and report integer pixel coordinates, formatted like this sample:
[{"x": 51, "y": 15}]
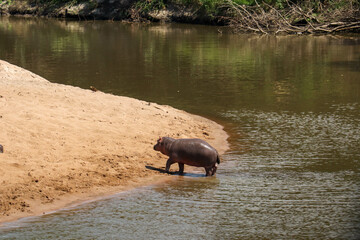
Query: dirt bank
[
  {"x": 279, "y": 17},
  {"x": 128, "y": 10},
  {"x": 64, "y": 144}
]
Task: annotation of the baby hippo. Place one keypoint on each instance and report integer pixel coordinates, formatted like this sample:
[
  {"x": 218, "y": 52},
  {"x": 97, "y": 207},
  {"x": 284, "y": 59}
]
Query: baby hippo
[{"x": 193, "y": 152}]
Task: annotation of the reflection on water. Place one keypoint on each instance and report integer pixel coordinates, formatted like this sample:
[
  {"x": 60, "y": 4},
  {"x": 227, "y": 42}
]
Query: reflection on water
[
  {"x": 182, "y": 65},
  {"x": 289, "y": 103}
]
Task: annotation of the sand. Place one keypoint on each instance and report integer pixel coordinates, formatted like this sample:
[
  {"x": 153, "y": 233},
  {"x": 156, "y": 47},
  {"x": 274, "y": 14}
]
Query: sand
[{"x": 64, "y": 144}]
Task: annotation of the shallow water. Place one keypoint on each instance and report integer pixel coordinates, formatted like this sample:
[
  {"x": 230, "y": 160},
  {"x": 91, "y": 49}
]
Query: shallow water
[{"x": 289, "y": 103}]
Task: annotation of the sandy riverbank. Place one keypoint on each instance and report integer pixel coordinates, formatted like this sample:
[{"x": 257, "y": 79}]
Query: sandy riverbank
[{"x": 64, "y": 144}]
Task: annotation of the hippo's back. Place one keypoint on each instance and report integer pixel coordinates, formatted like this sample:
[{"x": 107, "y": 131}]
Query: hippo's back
[{"x": 194, "y": 152}]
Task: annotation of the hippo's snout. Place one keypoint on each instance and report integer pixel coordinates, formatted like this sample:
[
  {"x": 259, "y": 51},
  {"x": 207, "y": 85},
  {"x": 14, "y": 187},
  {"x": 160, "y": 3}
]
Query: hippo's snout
[{"x": 156, "y": 147}]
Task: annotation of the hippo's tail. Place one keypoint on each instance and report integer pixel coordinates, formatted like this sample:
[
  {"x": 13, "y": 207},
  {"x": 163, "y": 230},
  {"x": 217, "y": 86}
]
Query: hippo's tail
[{"x": 218, "y": 159}]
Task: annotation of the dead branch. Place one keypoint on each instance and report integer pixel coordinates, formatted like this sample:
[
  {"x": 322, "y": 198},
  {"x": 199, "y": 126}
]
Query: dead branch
[{"x": 257, "y": 19}]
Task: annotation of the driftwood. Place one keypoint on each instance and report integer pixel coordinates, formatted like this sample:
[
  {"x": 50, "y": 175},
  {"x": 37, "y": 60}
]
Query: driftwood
[{"x": 266, "y": 19}]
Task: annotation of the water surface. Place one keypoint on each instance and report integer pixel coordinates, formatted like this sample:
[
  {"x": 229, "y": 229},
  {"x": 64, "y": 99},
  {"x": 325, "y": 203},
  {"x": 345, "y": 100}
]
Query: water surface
[{"x": 289, "y": 103}]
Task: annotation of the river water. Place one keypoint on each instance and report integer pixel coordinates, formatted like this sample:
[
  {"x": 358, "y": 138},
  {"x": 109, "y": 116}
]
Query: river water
[{"x": 291, "y": 105}]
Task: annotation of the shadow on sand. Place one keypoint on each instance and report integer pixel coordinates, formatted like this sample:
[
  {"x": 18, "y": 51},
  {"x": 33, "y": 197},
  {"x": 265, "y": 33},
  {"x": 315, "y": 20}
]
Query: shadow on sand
[{"x": 175, "y": 173}]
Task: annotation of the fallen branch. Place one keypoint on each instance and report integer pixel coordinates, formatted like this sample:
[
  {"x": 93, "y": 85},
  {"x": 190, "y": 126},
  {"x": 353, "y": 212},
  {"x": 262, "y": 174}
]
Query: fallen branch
[{"x": 291, "y": 19}]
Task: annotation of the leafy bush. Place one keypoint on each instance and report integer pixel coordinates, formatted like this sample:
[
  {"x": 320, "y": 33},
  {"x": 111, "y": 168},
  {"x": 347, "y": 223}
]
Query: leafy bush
[{"x": 149, "y": 5}]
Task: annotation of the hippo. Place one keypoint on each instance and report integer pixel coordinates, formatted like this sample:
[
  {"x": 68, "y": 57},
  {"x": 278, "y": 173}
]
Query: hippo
[
  {"x": 1, "y": 149},
  {"x": 193, "y": 152}
]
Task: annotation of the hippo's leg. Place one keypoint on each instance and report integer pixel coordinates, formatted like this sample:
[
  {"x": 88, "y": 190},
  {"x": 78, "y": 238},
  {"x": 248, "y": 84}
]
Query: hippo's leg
[
  {"x": 208, "y": 171},
  {"x": 181, "y": 168},
  {"x": 214, "y": 168},
  {"x": 168, "y": 164}
]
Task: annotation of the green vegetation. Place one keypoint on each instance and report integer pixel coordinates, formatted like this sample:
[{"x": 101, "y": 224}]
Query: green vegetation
[
  {"x": 262, "y": 16},
  {"x": 55, "y": 1},
  {"x": 214, "y": 5},
  {"x": 312, "y": 10}
]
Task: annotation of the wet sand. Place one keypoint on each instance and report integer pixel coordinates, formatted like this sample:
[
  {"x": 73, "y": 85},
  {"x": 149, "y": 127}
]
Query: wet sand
[{"x": 63, "y": 144}]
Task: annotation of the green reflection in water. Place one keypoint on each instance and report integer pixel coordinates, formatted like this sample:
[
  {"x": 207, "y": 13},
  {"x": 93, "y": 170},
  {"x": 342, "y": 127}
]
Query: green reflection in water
[{"x": 190, "y": 67}]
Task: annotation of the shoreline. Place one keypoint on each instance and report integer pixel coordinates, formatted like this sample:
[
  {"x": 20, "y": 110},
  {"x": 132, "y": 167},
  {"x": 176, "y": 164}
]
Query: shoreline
[
  {"x": 64, "y": 145},
  {"x": 278, "y": 17},
  {"x": 73, "y": 201}
]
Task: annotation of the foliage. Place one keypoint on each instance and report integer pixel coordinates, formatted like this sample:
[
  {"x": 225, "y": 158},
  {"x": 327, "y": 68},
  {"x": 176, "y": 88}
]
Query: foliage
[
  {"x": 214, "y": 7},
  {"x": 7, "y": 2},
  {"x": 150, "y": 5},
  {"x": 52, "y": 2},
  {"x": 254, "y": 15}
]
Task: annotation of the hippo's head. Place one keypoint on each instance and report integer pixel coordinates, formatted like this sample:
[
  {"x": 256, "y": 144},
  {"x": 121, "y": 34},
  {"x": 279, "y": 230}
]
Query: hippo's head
[
  {"x": 159, "y": 145},
  {"x": 163, "y": 145}
]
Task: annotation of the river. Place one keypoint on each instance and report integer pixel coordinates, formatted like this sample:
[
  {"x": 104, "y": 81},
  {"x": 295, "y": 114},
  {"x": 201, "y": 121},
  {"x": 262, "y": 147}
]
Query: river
[{"x": 291, "y": 105}]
